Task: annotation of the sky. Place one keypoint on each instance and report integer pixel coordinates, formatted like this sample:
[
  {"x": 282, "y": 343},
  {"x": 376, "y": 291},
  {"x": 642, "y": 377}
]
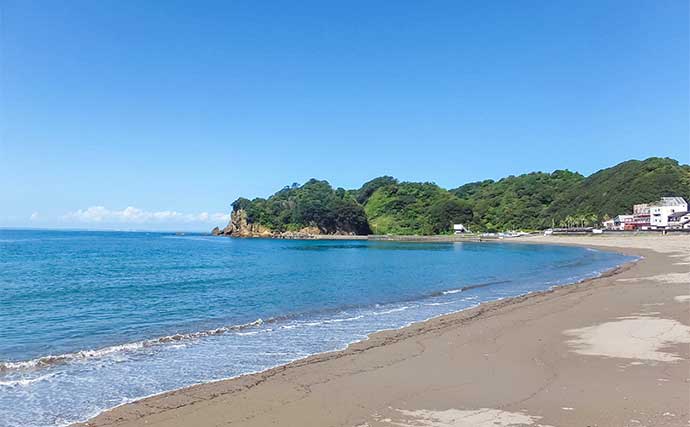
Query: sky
[{"x": 157, "y": 115}]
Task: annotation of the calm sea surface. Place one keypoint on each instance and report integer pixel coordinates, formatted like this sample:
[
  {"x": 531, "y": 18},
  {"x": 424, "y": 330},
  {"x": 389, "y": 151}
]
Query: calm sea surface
[{"x": 90, "y": 320}]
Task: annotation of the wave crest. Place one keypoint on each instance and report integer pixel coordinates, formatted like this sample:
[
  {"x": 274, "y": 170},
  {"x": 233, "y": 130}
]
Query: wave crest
[{"x": 52, "y": 360}]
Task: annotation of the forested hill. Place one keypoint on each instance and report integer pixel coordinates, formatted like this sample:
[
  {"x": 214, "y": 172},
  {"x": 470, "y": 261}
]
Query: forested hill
[
  {"x": 614, "y": 190},
  {"x": 531, "y": 201},
  {"x": 313, "y": 205}
]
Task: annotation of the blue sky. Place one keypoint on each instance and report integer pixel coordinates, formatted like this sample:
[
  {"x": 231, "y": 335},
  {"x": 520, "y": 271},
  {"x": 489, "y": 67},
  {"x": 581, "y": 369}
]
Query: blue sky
[{"x": 174, "y": 109}]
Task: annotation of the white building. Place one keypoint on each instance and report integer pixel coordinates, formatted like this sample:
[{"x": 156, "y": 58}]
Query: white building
[
  {"x": 679, "y": 220},
  {"x": 459, "y": 228},
  {"x": 661, "y": 210},
  {"x": 619, "y": 222}
]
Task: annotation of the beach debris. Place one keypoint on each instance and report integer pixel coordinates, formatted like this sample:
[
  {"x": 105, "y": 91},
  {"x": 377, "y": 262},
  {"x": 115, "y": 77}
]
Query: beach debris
[{"x": 640, "y": 338}]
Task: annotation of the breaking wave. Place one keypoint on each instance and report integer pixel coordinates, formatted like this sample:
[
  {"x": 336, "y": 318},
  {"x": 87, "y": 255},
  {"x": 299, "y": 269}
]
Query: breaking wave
[
  {"x": 467, "y": 288},
  {"x": 25, "y": 382},
  {"x": 241, "y": 329},
  {"x": 51, "y": 360}
]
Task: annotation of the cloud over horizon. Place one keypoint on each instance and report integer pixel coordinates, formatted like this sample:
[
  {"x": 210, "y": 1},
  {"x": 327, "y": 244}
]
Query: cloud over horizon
[{"x": 132, "y": 215}]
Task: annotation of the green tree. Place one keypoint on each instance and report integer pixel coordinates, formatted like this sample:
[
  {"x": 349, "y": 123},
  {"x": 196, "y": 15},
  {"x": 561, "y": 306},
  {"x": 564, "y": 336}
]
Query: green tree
[
  {"x": 363, "y": 194},
  {"x": 443, "y": 213},
  {"x": 531, "y": 201}
]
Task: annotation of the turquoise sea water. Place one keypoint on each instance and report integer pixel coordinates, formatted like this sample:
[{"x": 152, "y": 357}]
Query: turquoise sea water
[{"x": 90, "y": 320}]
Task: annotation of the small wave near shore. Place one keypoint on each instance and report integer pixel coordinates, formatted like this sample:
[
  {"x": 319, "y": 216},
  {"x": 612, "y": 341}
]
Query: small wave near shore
[
  {"x": 177, "y": 338},
  {"x": 333, "y": 303}
]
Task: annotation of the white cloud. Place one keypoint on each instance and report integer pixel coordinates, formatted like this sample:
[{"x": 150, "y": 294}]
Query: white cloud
[
  {"x": 34, "y": 216},
  {"x": 220, "y": 217},
  {"x": 132, "y": 215}
]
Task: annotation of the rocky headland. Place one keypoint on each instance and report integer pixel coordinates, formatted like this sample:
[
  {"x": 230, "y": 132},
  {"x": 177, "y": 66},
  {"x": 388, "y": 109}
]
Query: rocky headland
[{"x": 240, "y": 226}]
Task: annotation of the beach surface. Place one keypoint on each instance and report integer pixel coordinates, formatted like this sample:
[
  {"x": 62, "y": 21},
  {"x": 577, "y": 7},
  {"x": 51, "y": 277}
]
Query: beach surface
[{"x": 611, "y": 351}]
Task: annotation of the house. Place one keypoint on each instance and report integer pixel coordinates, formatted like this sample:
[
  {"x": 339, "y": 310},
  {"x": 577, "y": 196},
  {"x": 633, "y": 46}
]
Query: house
[
  {"x": 679, "y": 220},
  {"x": 459, "y": 229},
  {"x": 609, "y": 224},
  {"x": 623, "y": 220},
  {"x": 640, "y": 217},
  {"x": 660, "y": 211},
  {"x": 619, "y": 222}
]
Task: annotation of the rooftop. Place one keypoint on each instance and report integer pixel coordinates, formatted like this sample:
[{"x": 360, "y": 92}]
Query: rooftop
[{"x": 670, "y": 201}]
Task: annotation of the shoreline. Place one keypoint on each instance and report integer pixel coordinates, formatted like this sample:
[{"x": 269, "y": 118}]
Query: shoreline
[
  {"x": 334, "y": 354},
  {"x": 124, "y": 414},
  {"x": 57, "y": 359},
  {"x": 468, "y": 237},
  {"x": 452, "y": 238}
]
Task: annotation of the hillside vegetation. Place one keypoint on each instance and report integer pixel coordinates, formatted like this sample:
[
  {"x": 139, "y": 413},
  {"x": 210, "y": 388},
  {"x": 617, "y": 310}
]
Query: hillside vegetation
[
  {"x": 614, "y": 190},
  {"x": 314, "y": 204},
  {"x": 517, "y": 202},
  {"x": 414, "y": 208},
  {"x": 526, "y": 202}
]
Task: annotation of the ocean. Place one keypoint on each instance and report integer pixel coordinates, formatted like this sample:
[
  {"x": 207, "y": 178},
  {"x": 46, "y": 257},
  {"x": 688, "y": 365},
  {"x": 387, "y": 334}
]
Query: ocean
[{"x": 91, "y": 320}]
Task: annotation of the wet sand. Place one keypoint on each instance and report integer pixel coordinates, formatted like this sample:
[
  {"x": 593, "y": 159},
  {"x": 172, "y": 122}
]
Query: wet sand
[{"x": 612, "y": 351}]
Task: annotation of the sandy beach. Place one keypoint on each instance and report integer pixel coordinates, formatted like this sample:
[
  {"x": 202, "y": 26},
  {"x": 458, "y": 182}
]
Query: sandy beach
[{"x": 612, "y": 351}]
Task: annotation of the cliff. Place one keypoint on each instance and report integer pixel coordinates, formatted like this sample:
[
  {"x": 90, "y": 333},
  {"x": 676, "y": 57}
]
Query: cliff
[{"x": 240, "y": 226}]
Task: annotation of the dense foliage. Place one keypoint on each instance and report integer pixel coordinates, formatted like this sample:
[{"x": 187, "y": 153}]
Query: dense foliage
[
  {"x": 364, "y": 193},
  {"x": 531, "y": 201},
  {"x": 314, "y": 204},
  {"x": 614, "y": 190},
  {"x": 516, "y": 202},
  {"x": 414, "y": 208}
]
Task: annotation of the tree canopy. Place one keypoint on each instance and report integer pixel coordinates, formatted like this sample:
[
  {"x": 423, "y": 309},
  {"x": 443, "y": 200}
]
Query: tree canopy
[
  {"x": 414, "y": 208},
  {"x": 615, "y": 190},
  {"x": 531, "y": 201},
  {"x": 314, "y": 204},
  {"x": 516, "y": 202}
]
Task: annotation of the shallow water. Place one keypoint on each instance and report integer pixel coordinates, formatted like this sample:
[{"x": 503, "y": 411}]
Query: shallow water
[{"x": 90, "y": 320}]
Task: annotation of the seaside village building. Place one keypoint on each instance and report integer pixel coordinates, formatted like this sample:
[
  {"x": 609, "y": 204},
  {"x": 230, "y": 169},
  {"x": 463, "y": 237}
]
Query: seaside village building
[
  {"x": 669, "y": 212},
  {"x": 640, "y": 217},
  {"x": 459, "y": 229},
  {"x": 667, "y": 206},
  {"x": 679, "y": 220},
  {"x": 619, "y": 222}
]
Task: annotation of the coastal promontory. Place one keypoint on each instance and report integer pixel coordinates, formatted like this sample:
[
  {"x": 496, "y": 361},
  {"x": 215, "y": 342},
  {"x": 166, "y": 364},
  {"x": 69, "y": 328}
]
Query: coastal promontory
[{"x": 531, "y": 201}]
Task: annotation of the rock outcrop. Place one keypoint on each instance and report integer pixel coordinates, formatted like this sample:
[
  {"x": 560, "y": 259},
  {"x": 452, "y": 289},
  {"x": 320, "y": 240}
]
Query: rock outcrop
[{"x": 239, "y": 226}]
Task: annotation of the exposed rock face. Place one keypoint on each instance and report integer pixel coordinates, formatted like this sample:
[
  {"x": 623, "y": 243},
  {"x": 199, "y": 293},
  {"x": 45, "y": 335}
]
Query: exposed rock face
[{"x": 239, "y": 226}]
